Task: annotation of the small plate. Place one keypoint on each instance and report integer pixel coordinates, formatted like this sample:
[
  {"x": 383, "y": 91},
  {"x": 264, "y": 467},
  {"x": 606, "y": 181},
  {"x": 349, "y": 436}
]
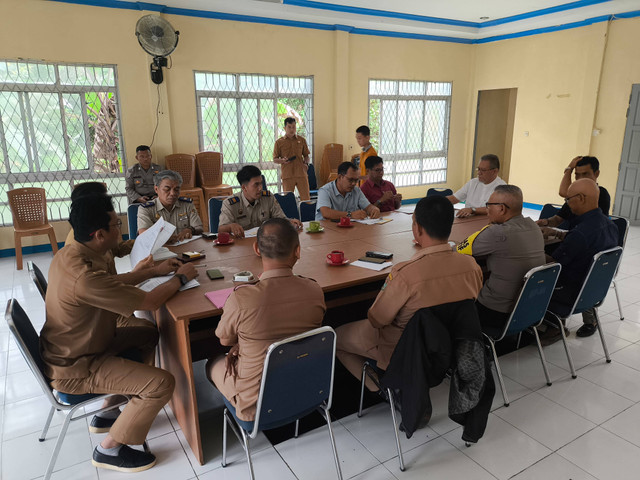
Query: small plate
[
  {"x": 345, "y": 226},
  {"x": 316, "y": 231},
  {"x": 217, "y": 242},
  {"x": 344, "y": 262}
]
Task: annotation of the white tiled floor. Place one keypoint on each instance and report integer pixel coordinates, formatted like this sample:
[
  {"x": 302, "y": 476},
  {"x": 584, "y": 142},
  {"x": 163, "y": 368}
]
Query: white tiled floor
[{"x": 580, "y": 429}]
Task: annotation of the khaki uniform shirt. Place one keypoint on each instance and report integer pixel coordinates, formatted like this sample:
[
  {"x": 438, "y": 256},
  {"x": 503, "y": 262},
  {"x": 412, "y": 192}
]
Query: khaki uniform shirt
[
  {"x": 182, "y": 215},
  {"x": 435, "y": 275},
  {"x": 238, "y": 210},
  {"x": 511, "y": 249},
  {"x": 288, "y": 147},
  {"x": 84, "y": 303},
  {"x": 278, "y": 306},
  {"x": 139, "y": 182}
]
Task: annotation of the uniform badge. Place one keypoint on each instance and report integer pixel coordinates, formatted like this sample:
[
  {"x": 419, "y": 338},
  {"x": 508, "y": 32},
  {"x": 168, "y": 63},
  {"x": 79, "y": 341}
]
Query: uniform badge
[
  {"x": 157, "y": 216},
  {"x": 386, "y": 282},
  {"x": 234, "y": 200}
]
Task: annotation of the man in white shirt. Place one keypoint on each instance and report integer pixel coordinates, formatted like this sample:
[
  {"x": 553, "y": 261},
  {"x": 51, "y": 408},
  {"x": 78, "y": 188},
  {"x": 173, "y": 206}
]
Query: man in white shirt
[{"x": 476, "y": 192}]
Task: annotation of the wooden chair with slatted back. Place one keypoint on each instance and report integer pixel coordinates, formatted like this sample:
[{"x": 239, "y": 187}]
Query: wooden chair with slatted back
[
  {"x": 209, "y": 175},
  {"x": 29, "y": 210},
  {"x": 331, "y": 158},
  {"x": 195, "y": 194},
  {"x": 185, "y": 165}
]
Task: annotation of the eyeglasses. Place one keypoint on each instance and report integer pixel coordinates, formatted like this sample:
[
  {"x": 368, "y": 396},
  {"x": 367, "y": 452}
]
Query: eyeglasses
[
  {"x": 566, "y": 200},
  {"x": 352, "y": 180},
  {"x": 496, "y": 203},
  {"x": 484, "y": 169}
]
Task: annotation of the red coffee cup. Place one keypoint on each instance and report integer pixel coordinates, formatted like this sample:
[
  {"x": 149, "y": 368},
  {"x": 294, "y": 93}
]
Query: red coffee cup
[
  {"x": 224, "y": 237},
  {"x": 345, "y": 221},
  {"x": 336, "y": 256}
]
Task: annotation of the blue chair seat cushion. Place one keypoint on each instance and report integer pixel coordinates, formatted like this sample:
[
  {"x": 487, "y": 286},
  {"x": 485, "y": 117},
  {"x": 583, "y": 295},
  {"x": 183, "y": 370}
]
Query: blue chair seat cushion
[
  {"x": 71, "y": 399},
  {"x": 248, "y": 426}
]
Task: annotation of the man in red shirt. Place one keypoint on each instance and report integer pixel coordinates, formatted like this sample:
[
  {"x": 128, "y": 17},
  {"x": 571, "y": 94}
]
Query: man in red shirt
[{"x": 379, "y": 192}]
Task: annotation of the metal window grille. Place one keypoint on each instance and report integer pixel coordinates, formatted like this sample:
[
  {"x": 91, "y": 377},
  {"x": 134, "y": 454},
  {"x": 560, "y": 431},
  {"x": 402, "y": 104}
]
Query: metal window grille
[
  {"x": 59, "y": 126},
  {"x": 242, "y": 115},
  {"x": 409, "y": 124}
]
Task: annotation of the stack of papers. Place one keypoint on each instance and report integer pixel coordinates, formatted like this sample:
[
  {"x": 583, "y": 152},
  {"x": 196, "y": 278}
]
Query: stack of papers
[
  {"x": 252, "y": 232},
  {"x": 372, "y": 266},
  {"x": 373, "y": 221},
  {"x": 186, "y": 240},
  {"x": 151, "y": 241},
  {"x": 152, "y": 283}
]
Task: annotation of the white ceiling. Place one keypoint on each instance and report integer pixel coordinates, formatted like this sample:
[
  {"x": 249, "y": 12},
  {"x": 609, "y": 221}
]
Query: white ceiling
[{"x": 382, "y": 15}]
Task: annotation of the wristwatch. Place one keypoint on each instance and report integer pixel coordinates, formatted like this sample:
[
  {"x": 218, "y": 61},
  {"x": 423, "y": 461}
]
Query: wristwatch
[
  {"x": 349, "y": 213},
  {"x": 183, "y": 279}
]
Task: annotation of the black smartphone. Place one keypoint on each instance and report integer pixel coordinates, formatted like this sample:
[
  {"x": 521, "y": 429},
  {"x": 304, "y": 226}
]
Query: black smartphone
[
  {"x": 372, "y": 260},
  {"x": 291, "y": 159},
  {"x": 214, "y": 274},
  {"x": 382, "y": 255}
]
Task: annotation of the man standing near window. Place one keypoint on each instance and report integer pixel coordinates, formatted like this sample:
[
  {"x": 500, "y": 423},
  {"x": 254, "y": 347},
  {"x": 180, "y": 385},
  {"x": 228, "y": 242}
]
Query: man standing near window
[
  {"x": 139, "y": 178},
  {"x": 363, "y": 137},
  {"x": 292, "y": 153}
]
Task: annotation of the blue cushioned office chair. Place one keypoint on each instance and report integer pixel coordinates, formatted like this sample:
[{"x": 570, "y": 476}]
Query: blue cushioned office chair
[
  {"x": 308, "y": 210},
  {"x": 592, "y": 294},
  {"x": 442, "y": 192},
  {"x": 215, "y": 207},
  {"x": 132, "y": 219},
  {"x": 528, "y": 314},
  {"x": 313, "y": 182},
  {"x": 297, "y": 379},
  {"x": 29, "y": 345},
  {"x": 623, "y": 228},
  {"x": 287, "y": 201},
  {"x": 38, "y": 278},
  {"x": 549, "y": 210}
]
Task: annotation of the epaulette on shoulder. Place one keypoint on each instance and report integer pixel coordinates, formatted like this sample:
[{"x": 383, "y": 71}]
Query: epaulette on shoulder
[
  {"x": 148, "y": 204},
  {"x": 247, "y": 284},
  {"x": 307, "y": 278},
  {"x": 185, "y": 199},
  {"x": 234, "y": 200},
  {"x": 266, "y": 193}
]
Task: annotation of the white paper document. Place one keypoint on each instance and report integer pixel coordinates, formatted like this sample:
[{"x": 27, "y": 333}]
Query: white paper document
[
  {"x": 252, "y": 232},
  {"x": 152, "y": 283},
  {"x": 373, "y": 221},
  {"x": 163, "y": 253},
  {"x": 151, "y": 240},
  {"x": 186, "y": 240},
  {"x": 372, "y": 266},
  {"x": 408, "y": 209}
]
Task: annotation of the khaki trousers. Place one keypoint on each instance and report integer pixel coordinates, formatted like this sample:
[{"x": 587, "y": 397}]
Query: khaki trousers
[
  {"x": 150, "y": 387},
  {"x": 289, "y": 185},
  {"x": 355, "y": 343}
]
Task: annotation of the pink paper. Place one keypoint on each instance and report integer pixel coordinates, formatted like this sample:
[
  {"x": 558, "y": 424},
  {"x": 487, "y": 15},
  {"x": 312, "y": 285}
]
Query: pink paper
[{"x": 219, "y": 297}]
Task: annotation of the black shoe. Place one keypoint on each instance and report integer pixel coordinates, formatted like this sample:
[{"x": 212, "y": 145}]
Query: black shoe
[
  {"x": 552, "y": 335},
  {"x": 586, "y": 330},
  {"x": 128, "y": 460},
  {"x": 100, "y": 424}
]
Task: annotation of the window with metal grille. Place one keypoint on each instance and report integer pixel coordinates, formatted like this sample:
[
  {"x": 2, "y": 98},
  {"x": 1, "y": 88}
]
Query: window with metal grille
[
  {"x": 242, "y": 115},
  {"x": 59, "y": 126},
  {"x": 409, "y": 124}
]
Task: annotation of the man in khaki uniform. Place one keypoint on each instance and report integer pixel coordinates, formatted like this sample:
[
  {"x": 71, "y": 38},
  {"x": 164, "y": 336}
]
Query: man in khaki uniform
[
  {"x": 252, "y": 207},
  {"x": 173, "y": 208},
  {"x": 139, "y": 178},
  {"x": 280, "y": 305},
  {"x": 83, "y": 345},
  {"x": 434, "y": 276},
  {"x": 294, "y": 172}
]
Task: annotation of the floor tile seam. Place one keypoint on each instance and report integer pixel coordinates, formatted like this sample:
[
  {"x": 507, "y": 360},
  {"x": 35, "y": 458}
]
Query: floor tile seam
[
  {"x": 614, "y": 433},
  {"x": 611, "y": 391},
  {"x": 291, "y": 468},
  {"x": 465, "y": 454},
  {"x": 181, "y": 446},
  {"x": 564, "y": 458},
  {"x": 358, "y": 440}
]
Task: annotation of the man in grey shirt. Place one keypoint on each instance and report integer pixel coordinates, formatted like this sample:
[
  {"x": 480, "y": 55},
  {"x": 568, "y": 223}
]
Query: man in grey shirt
[
  {"x": 511, "y": 245},
  {"x": 341, "y": 198}
]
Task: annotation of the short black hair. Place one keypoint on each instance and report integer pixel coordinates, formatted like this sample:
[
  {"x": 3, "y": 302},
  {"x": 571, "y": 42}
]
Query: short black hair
[
  {"x": 344, "y": 167},
  {"x": 142, "y": 148},
  {"x": 435, "y": 215},
  {"x": 88, "y": 188},
  {"x": 246, "y": 173},
  {"x": 289, "y": 120},
  {"x": 592, "y": 161},
  {"x": 364, "y": 130},
  {"x": 371, "y": 162},
  {"x": 277, "y": 238},
  {"x": 89, "y": 214},
  {"x": 493, "y": 160}
]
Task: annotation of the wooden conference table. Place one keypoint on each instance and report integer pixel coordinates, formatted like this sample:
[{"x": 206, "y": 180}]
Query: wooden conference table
[{"x": 188, "y": 320}]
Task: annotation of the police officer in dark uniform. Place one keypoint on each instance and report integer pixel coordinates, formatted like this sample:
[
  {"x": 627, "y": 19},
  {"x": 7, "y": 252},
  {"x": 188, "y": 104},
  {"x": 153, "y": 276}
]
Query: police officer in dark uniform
[{"x": 139, "y": 178}]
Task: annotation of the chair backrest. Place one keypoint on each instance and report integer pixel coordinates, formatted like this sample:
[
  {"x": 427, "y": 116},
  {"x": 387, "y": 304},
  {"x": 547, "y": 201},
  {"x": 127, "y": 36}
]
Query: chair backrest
[
  {"x": 623, "y": 228},
  {"x": 28, "y": 207},
  {"x": 287, "y": 201},
  {"x": 549, "y": 210},
  {"x": 185, "y": 165},
  {"x": 598, "y": 280},
  {"x": 38, "y": 278},
  {"x": 209, "y": 168},
  {"x": 443, "y": 192},
  {"x": 308, "y": 210},
  {"x": 297, "y": 377},
  {"x": 132, "y": 220},
  {"x": 215, "y": 207},
  {"x": 311, "y": 173},
  {"x": 533, "y": 300},
  {"x": 28, "y": 343}
]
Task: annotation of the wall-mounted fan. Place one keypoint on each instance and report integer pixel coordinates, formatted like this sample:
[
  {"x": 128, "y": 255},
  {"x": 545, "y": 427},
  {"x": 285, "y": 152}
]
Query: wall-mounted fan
[{"x": 158, "y": 38}]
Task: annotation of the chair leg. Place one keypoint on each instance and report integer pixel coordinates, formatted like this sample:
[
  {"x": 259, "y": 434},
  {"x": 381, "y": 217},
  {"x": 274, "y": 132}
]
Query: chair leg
[
  {"x": 58, "y": 446},
  {"x": 247, "y": 451},
  {"x": 295, "y": 435},
  {"x": 53, "y": 241},
  {"x": 604, "y": 344},
  {"x": 392, "y": 402},
  {"x": 566, "y": 348},
  {"x": 18, "y": 243},
  {"x": 224, "y": 438},
  {"x": 362, "y": 379},
  {"x": 327, "y": 417},
  {"x": 615, "y": 289},
  {"x": 542, "y": 359},
  {"x": 45, "y": 429},
  {"x": 499, "y": 372}
]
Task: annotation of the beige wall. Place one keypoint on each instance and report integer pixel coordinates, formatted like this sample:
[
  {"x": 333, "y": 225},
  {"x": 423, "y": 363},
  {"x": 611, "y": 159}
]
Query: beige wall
[{"x": 556, "y": 74}]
